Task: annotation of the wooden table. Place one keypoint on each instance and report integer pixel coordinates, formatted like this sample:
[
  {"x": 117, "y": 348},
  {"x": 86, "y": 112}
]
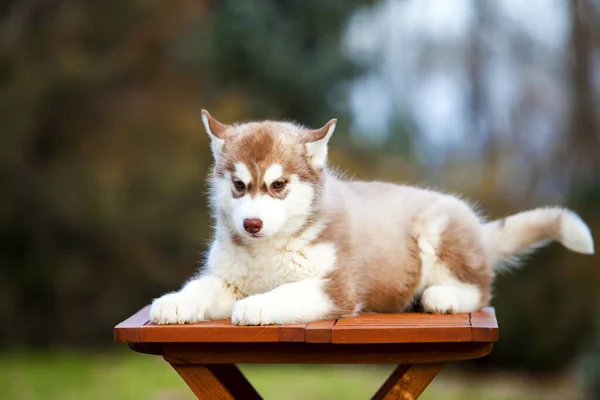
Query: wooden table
[{"x": 206, "y": 354}]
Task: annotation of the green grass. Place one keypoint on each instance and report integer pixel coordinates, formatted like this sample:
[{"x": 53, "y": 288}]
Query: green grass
[{"x": 127, "y": 375}]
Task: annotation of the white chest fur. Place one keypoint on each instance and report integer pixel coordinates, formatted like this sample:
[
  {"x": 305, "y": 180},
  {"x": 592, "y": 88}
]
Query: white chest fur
[{"x": 268, "y": 264}]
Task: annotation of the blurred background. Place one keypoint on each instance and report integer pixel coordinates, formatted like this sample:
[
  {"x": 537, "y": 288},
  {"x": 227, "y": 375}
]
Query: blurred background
[{"x": 103, "y": 160}]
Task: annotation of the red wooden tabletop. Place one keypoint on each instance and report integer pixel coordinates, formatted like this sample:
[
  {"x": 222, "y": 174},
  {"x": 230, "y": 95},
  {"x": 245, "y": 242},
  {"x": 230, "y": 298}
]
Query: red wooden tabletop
[{"x": 369, "y": 328}]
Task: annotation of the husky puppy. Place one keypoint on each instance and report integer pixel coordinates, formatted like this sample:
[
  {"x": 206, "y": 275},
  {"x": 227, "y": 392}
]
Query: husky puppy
[{"x": 294, "y": 243}]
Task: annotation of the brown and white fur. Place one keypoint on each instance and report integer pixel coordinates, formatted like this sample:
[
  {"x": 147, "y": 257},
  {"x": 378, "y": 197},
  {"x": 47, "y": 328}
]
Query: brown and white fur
[{"x": 294, "y": 243}]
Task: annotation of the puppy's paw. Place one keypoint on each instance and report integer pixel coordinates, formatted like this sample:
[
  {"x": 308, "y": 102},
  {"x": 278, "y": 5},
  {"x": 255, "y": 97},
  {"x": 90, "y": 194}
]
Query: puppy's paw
[
  {"x": 440, "y": 300},
  {"x": 253, "y": 310},
  {"x": 176, "y": 308}
]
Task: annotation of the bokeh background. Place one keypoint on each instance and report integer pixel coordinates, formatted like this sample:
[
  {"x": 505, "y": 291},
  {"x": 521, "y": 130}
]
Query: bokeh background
[{"x": 103, "y": 160}]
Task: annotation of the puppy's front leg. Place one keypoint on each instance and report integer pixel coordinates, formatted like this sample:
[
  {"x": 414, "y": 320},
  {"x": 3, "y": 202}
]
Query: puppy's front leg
[
  {"x": 301, "y": 301},
  {"x": 201, "y": 299}
]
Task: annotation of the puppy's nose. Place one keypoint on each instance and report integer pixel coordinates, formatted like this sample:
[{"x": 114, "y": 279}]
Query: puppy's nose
[{"x": 252, "y": 225}]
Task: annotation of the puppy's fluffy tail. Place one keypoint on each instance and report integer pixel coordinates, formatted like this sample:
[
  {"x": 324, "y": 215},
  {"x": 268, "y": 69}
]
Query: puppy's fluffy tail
[{"x": 525, "y": 231}]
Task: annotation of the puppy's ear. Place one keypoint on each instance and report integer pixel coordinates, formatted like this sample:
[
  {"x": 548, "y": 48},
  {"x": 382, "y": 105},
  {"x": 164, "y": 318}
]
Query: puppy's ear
[
  {"x": 216, "y": 131},
  {"x": 316, "y": 143}
]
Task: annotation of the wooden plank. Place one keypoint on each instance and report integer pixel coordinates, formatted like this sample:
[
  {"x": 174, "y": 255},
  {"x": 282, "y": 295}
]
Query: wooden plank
[
  {"x": 484, "y": 326},
  {"x": 406, "y": 319},
  {"x": 319, "y": 331},
  {"x": 408, "y": 381},
  {"x": 399, "y": 334},
  {"x": 321, "y": 353},
  {"x": 292, "y": 332},
  {"x": 128, "y": 330},
  {"x": 210, "y": 331},
  {"x": 368, "y": 328}
]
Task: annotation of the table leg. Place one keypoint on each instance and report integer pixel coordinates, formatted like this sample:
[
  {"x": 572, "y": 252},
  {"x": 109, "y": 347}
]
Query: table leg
[
  {"x": 217, "y": 381},
  {"x": 407, "y": 382}
]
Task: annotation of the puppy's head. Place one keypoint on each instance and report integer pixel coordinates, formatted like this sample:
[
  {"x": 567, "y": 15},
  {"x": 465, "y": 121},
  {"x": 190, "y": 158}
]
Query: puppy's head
[{"x": 267, "y": 176}]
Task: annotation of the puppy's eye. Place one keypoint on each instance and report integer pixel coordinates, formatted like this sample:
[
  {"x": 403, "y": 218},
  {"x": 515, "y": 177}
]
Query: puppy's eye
[
  {"x": 278, "y": 185},
  {"x": 239, "y": 185}
]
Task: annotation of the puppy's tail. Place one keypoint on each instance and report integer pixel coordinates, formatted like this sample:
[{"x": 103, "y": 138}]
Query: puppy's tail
[{"x": 528, "y": 230}]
